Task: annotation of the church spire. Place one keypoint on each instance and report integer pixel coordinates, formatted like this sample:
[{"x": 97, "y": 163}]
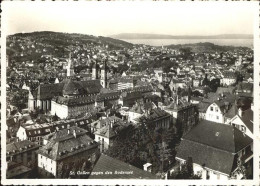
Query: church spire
[
  {"x": 103, "y": 79},
  {"x": 70, "y": 67}
]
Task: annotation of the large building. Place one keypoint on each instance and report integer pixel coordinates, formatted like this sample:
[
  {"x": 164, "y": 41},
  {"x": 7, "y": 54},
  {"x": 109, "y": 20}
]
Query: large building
[
  {"x": 35, "y": 132},
  {"x": 21, "y": 152},
  {"x": 215, "y": 150},
  {"x": 65, "y": 149},
  {"x": 42, "y": 97},
  {"x": 185, "y": 113}
]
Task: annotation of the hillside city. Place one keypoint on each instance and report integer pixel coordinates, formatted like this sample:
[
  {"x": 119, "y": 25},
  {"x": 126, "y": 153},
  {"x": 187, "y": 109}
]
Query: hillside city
[{"x": 81, "y": 106}]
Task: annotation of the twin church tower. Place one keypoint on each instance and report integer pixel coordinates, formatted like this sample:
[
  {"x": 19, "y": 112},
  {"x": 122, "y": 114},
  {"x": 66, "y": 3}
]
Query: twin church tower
[{"x": 103, "y": 75}]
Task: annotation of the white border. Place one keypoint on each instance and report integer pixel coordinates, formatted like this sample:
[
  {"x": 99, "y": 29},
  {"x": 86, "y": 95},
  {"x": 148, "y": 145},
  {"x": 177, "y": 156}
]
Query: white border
[{"x": 255, "y": 181}]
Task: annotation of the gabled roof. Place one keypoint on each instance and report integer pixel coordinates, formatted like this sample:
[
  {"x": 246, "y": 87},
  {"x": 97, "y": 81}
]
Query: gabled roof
[
  {"x": 232, "y": 111},
  {"x": 247, "y": 118},
  {"x": 125, "y": 170}
]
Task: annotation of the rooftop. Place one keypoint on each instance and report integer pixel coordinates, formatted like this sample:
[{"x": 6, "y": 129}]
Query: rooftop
[{"x": 118, "y": 169}]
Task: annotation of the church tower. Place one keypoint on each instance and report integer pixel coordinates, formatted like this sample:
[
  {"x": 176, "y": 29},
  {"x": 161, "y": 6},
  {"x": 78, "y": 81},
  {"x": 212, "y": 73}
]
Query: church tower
[
  {"x": 95, "y": 71},
  {"x": 103, "y": 78},
  {"x": 70, "y": 67}
]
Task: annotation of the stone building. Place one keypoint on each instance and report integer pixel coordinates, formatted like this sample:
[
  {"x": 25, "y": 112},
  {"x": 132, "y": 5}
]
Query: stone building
[
  {"x": 22, "y": 152},
  {"x": 67, "y": 149}
]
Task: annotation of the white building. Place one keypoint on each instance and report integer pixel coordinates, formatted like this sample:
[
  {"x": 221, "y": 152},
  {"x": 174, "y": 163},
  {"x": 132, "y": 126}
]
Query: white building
[{"x": 215, "y": 112}]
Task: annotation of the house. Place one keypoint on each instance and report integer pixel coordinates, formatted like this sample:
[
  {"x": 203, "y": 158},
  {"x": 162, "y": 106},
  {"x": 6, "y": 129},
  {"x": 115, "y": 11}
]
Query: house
[
  {"x": 64, "y": 148},
  {"x": 35, "y": 132},
  {"x": 111, "y": 168},
  {"x": 157, "y": 118},
  {"x": 244, "y": 122},
  {"x": 135, "y": 113},
  {"x": 245, "y": 89},
  {"x": 229, "y": 89},
  {"x": 107, "y": 133},
  {"x": 215, "y": 150},
  {"x": 185, "y": 113},
  {"x": 128, "y": 99},
  {"x": 96, "y": 125},
  {"x": 22, "y": 152},
  {"x": 17, "y": 170},
  {"x": 219, "y": 109},
  {"x": 159, "y": 74},
  {"x": 228, "y": 78},
  {"x": 126, "y": 82},
  {"x": 175, "y": 84}
]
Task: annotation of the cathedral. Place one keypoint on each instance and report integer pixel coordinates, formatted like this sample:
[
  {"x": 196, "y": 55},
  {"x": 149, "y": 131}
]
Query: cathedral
[{"x": 70, "y": 97}]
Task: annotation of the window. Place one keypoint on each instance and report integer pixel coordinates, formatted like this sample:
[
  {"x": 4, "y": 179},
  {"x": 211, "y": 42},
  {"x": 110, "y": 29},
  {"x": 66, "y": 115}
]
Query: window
[
  {"x": 216, "y": 109},
  {"x": 211, "y": 108},
  {"x": 243, "y": 129},
  {"x": 217, "y": 117}
]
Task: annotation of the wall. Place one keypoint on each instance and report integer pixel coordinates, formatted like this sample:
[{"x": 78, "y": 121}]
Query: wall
[
  {"x": 104, "y": 142},
  {"x": 21, "y": 134},
  {"x": 60, "y": 110},
  {"x": 47, "y": 164},
  {"x": 214, "y": 115}
]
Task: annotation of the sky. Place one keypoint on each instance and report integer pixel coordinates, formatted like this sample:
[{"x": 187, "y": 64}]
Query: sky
[{"x": 109, "y": 18}]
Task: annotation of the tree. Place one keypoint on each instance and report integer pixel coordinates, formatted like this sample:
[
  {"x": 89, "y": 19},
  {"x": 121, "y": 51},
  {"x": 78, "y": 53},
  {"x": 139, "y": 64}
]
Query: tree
[
  {"x": 185, "y": 172},
  {"x": 214, "y": 84},
  {"x": 241, "y": 170}
]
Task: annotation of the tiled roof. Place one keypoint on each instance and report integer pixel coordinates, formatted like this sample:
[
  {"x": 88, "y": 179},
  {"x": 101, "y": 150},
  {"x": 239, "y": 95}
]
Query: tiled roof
[
  {"x": 17, "y": 170},
  {"x": 207, "y": 156},
  {"x": 131, "y": 95},
  {"x": 229, "y": 89},
  {"x": 20, "y": 147},
  {"x": 46, "y": 128},
  {"x": 67, "y": 87},
  {"x": 119, "y": 169},
  {"x": 213, "y": 145},
  {"x": 63, "y": 143},
  {"x": 232, "y": 111},
  {"x": 110, "y": 128},
  {"x": 220, "y": 136},
  {"x": 245, "y": 86},
  {"x": 156, "y": 114},
  {"x": 247, "y": 118}
]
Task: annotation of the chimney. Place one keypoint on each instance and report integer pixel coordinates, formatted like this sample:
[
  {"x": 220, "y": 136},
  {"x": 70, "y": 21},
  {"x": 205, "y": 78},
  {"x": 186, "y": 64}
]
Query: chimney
[
  {"x": 239, "y": 112},
  {"x": 148, "y": 167},
  {"x": 74, "y": 133}
]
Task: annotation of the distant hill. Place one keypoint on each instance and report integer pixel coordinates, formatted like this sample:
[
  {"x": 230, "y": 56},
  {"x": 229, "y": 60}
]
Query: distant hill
[
  {"x": 205, "y": 47},
  {"x": 66, "y": 39},
  {"x": 161, "y": 36}
]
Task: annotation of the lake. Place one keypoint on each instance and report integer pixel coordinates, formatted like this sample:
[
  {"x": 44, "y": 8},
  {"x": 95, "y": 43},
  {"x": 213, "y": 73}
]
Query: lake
[{"x": 159, "y": 42}]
